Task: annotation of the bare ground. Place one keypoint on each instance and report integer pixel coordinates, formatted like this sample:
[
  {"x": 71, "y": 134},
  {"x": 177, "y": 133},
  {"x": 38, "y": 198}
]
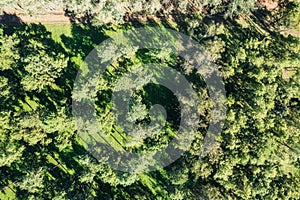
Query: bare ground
[{"x": 45, "y": 19}]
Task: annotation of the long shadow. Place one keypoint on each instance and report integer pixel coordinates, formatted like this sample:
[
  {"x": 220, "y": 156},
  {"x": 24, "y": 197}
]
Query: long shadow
[
  {"x": 48, "y": 100},
  {"x": 27, "y": 33},
  {"x": 10, "y": 20},
  {"x": 83, "y": 39}
]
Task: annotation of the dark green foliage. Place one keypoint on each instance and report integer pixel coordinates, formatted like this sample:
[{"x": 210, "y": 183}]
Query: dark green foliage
[{"x": 256, "y": 156}]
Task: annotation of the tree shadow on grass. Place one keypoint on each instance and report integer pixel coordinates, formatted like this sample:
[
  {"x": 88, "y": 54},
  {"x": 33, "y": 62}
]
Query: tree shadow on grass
[
  {"x": 84, "y": 38},
  {"x": 27, "y": 33},
  {"x": 48, "y": 100}
]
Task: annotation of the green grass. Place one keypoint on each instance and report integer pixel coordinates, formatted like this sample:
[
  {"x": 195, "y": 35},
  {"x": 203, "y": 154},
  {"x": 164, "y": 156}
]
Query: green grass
[
  {"x": 8, "y": 194},
  {"x": 61, "y": 166},
  {"x": 58, "y": 30},
  {"x": 153, "y": 186}
]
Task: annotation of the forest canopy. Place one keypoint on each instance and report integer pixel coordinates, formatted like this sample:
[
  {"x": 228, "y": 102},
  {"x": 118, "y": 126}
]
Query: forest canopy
[{"x": 255, "y": 46}]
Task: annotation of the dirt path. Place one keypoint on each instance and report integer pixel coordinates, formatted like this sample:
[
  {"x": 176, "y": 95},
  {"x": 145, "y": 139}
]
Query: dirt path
[
  {"x": 45, "y": 19},
  {"x": 57, "y": 17}
]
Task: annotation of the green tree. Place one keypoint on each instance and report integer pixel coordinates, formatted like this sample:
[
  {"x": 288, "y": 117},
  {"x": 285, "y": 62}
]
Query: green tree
[
  {"x": 33, "y": 182},
  {"x": 42, "y": 70},
  {"x": 8, "y": 51},
  {"x": 11, "y": 150},
  {"x": 4, "y": 89},
  {"x": 32, "y": 130}
]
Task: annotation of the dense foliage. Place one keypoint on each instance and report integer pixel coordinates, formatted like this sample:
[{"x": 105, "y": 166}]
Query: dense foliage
[{"x": 257, "y": 155}]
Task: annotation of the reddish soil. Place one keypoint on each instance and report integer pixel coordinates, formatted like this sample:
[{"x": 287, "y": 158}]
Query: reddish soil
[{"x": 270, "y": 5}]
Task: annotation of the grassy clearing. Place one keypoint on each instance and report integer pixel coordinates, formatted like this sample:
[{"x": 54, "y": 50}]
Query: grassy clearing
[
  {"x": 58, "y": 30},
  {"x": 8, "y": 193},
  {"x": 153, "y": 186}
]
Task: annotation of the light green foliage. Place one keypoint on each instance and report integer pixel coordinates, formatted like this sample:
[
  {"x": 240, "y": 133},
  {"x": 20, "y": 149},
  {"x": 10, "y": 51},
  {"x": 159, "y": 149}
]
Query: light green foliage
[
  {"x": 8, "y": 52},
  {"x": 255, "y": 157},
  {"x": 42, "y": 69},
  {"x": 105, "y": 173},
  {"x": 33, "y": 181},
  {"x": 137, "y": 110},
  {"x": 32, "y": 130},
  {"x": 61, "y": 125},
  {"x": 4, "y": 89},
  {"x": 11, "y": 151}
]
